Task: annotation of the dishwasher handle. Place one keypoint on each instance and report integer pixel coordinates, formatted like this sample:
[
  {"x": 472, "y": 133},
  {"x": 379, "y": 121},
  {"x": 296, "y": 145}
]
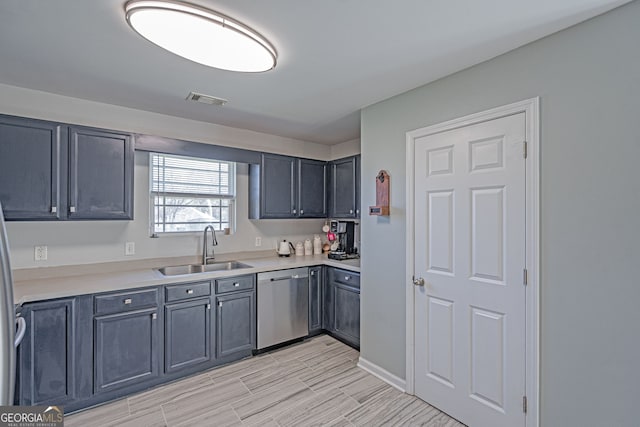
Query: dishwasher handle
[
  {"x": 283, "y": 275},
  {"x": 277, "y": 279}
]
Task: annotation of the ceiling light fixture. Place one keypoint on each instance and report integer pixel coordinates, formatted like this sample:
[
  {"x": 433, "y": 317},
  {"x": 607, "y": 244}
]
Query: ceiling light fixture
[{"x": 201, "y": 35}]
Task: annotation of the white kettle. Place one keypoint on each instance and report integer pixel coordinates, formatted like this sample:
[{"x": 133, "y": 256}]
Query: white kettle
[{"x": 285, "y": 248}]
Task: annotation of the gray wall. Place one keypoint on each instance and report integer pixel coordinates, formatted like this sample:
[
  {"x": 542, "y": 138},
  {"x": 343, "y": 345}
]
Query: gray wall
[{"x": 588, "y": 81}]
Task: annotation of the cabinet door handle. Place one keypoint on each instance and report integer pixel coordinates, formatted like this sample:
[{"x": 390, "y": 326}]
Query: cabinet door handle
[
  {"x": 219, "y": 303},
  {"x": 54, "y": 209},
  {"x": 128, "y": 301},
  {"x": 294, "y": 211},
  {"x": 208, "y": 306},
  {"x": 72, "y": 209},
  {"x": 350, "y": 211},
  {"x": 301, "y": 211},
  {"x": 357, "y": 211},
  {"x": 236, "y": 284},
  {"x": 347, "y": 277},
  {"x": 154, "y": 316},
  {"x": 313, "y": 273},
  {"x": 189, "y": 291}
]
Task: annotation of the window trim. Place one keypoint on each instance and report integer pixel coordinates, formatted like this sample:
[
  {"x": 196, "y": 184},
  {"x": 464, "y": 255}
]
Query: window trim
[{"x": 232, "y": 197}]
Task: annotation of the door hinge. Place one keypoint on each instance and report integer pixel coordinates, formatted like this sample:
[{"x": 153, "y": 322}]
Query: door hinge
[
  {"x": 524, "y": 404},
  {"x": 525, "y": 277},
  {"x": 524, "y": 149}
]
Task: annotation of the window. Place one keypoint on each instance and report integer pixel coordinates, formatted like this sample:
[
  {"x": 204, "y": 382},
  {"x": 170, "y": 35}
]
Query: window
[{"x": 190, "y": 193}]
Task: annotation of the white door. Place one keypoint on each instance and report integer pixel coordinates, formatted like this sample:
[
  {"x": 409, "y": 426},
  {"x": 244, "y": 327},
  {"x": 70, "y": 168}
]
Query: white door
[{"x": 470, "y": 249}]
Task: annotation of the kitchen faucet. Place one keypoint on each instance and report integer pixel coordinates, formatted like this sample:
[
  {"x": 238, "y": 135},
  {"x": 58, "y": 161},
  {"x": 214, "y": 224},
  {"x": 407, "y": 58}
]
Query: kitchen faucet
[{"x": 205, "y": 246}]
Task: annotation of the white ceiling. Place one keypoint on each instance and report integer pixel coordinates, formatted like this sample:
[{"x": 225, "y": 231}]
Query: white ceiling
[{"x": 334, "y": 56}]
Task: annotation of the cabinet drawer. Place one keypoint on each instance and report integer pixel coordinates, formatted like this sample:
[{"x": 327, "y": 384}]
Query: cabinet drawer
[
  {"x": 345, "y": 277},
  {"x": 232, "y": 284},
  {"x": 125, "y": 301},
  {"x": 186, "y": 291}
]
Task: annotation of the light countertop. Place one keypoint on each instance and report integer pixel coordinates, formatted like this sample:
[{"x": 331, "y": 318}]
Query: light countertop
[{"x": 58, "y": 282}]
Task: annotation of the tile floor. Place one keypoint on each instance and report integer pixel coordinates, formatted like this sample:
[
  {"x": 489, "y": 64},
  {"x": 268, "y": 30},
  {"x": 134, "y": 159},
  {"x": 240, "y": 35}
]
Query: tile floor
[{"x": 314, "y": 383}]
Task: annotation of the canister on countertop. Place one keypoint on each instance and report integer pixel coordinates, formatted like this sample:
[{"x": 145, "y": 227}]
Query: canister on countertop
[
  {"x": 317, "y": 245},
  {"x": 308, "y": 249}
]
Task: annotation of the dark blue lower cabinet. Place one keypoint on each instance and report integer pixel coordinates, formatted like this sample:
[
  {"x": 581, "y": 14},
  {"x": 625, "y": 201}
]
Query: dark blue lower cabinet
[
  {"x": 86, "y": 350},
  {"x": 341, "y": 305},
  {"x": 235, "y": 323},
  {"x": 347, "y": 314},
  {"x": 125, "y": 349},
  {"x": 315, "y": 299},
  {"x": 327, "y": 303},
  {"x": 187, "y": 340},
  {"x": 47, "y": 355}
]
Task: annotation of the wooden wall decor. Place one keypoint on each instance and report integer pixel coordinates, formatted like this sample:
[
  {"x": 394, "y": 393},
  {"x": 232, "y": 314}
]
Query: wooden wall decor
[{"x": 382, "y": 195}]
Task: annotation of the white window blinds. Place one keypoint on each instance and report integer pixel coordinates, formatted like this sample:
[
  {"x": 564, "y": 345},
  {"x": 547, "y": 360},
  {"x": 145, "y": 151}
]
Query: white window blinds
[{"x": 190, "y": 193}]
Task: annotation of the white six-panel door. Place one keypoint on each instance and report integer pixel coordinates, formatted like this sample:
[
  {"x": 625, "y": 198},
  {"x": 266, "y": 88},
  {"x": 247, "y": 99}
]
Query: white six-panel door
[{"x": 470, "y": 249}]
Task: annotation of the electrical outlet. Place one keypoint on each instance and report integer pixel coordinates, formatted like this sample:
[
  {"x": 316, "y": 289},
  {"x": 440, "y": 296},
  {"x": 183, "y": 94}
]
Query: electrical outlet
[
  {"x": 258, "y": 241},
  {"x": 40, "y": 253},
  {"x": 130, "y": 248}
]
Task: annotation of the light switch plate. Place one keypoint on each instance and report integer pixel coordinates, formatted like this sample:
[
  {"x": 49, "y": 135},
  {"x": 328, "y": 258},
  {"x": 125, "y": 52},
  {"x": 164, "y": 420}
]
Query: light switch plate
[{"x": 258, "y": 241}]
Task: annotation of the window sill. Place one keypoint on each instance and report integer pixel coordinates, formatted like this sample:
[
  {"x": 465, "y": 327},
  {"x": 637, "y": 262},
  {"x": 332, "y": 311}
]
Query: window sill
[{"x": 226, "y": 232}]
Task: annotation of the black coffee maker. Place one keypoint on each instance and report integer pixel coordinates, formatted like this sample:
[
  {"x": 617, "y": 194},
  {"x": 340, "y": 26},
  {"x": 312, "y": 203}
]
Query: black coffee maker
[{"x": 345, "y": 236}]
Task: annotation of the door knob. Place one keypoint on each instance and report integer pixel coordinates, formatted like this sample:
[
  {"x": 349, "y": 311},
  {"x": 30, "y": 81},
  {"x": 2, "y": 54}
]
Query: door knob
[{"x": 419, "y": 281}]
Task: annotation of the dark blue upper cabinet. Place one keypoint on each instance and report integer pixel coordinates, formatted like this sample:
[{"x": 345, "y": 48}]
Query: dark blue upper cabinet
[
  {"x": 344, "y": 189},
  {"x": 100, "y": 174},
  {"x": 287, "y": 187},
  {"x": 51, "y": 171},
  {"x": 312, "y": 188},
  {"x": 357, "y": 184},
  {"x": 30, "y": 168},
  {"x": 278, "y": 179}
]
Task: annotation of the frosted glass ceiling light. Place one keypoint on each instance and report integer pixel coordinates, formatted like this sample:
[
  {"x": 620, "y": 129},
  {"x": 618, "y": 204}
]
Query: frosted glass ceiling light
[{"x": 201, "y": 35}]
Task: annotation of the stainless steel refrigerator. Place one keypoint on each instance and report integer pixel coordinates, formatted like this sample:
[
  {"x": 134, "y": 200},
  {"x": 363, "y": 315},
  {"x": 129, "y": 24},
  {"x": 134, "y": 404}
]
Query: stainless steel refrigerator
[{"x": 9, "y": 337}]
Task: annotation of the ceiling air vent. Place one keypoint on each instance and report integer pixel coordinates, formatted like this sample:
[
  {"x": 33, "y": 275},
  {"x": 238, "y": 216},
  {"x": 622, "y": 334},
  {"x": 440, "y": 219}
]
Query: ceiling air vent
[{"x": 206, "y": 99}]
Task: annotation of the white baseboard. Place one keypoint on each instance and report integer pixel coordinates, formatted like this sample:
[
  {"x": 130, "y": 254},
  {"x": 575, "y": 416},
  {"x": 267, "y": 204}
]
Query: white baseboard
[{"x": 383, "y": 374}]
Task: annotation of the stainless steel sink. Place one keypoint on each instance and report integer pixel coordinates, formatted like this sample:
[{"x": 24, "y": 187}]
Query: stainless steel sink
[{"x": 200, "y": 268}]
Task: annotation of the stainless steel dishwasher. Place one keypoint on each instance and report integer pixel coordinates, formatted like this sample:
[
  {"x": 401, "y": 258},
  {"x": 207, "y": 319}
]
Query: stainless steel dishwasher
[{"x": 283, "y": 306}]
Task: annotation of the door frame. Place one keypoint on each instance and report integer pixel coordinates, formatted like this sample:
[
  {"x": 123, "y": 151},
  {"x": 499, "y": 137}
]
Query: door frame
[{"x": 531, "y": 109}]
